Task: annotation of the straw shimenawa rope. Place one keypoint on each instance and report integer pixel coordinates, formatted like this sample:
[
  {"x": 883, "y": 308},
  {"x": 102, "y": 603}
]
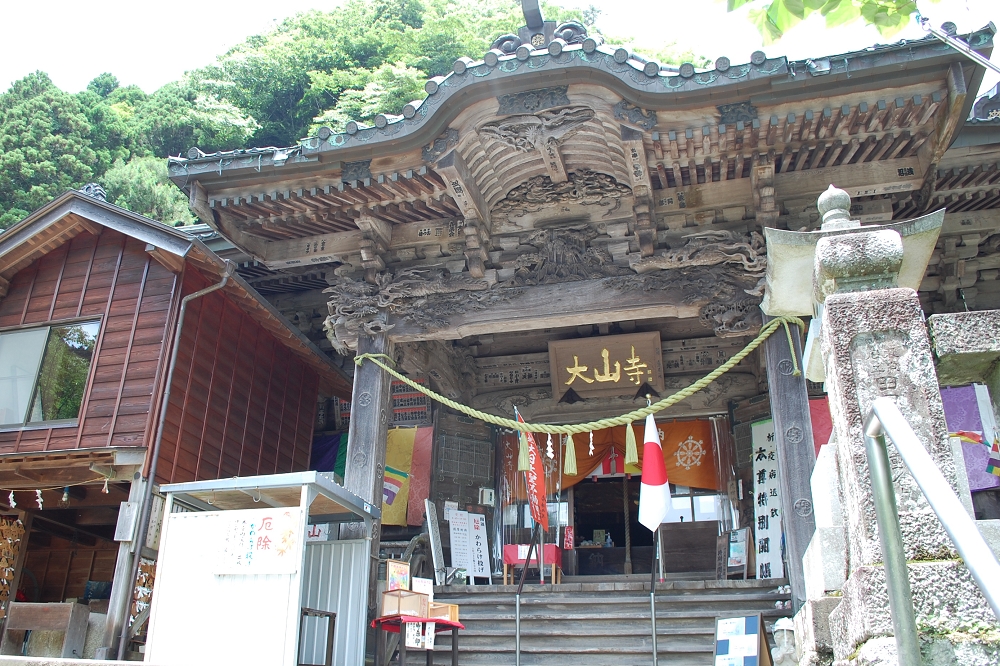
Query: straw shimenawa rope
[{"x": 765, "y": 331}]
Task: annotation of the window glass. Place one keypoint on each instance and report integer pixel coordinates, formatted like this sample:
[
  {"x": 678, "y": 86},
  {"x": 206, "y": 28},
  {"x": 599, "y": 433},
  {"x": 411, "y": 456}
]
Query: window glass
[
  {"x": 20, "y": 355},
  {"x": 706, "y": 507},
  {"x": 63, "y": 375},
  {"x": 680, "y": 510}
]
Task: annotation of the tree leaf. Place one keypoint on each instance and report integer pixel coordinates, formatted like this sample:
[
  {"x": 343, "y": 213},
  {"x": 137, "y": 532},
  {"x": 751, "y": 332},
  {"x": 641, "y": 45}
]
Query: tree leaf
[
  {"x": 769, "y": 32},
  {"x": 733, "y": 5},
  {"x": 785, "y": 14},
  {"x": 840, "y": 12}
]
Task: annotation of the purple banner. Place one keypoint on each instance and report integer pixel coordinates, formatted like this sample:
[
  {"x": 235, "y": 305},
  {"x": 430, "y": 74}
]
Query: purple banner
[{"x": 961, "y": 412}]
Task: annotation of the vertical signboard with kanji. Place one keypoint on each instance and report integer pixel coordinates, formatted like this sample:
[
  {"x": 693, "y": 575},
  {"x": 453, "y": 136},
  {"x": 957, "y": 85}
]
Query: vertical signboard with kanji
[
  {"x": 478, "y": 546},
  {"x": 767, "y": 501},
  {"x": 460, "y": 540}
]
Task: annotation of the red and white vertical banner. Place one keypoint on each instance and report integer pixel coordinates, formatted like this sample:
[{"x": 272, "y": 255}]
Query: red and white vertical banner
[{"x": 536, "y": 482}]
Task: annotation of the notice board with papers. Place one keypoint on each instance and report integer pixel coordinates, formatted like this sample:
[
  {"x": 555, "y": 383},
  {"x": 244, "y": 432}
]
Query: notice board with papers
[{"x": 741, "y": 641}]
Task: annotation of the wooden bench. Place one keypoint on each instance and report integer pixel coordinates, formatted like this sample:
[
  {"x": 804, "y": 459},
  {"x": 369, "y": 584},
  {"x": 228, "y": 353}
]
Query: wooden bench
[{"x": 70, "y": 619}]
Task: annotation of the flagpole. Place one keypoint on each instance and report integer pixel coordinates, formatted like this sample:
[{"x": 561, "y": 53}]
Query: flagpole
[{"x": 652, "y": 591}]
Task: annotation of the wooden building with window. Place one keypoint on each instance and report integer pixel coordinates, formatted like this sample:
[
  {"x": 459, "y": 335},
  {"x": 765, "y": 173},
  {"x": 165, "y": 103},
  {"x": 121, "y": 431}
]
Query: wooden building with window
[{"x": 122, "y": 338}]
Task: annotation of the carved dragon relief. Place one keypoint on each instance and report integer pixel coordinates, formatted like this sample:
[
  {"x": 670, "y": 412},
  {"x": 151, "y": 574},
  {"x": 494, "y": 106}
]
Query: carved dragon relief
[
  {"x": 701, "y": 271},
  {"x": 563, "y": 255},
  {"x": 584, "y": 187},
  {"x": 711, "y": 248},
  {"x": 423, "y": 296}
]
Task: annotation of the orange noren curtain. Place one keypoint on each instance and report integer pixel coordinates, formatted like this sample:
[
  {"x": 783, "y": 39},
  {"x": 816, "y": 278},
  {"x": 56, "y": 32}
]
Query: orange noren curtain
[{"x": 687, "y": 451}]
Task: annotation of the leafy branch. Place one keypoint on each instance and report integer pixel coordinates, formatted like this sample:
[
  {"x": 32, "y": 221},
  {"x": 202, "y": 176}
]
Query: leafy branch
[{"x": 773, "y": 19}]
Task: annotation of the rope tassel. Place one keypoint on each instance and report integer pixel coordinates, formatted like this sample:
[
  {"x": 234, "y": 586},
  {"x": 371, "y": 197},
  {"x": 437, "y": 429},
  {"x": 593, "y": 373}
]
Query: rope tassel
[
  {"x": 631, "y": 453},
  {"x": 522, "y": 454},
  {"x": 569, "y": 465}
]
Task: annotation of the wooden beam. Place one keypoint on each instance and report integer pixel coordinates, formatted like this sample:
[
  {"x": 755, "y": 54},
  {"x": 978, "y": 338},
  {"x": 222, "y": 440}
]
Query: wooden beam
[
  {"x": 551, "y": 306},
  {"x": 172, "y": 262},
  {"x": 862, "y": 179}
]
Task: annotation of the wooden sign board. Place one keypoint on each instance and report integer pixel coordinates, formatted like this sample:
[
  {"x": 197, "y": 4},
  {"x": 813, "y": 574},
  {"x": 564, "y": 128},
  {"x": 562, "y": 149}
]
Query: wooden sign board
[
  {"x": 741, "y": 641},
  {"x": 606, "y": 365},
  {"x": 731, "y": 554},
  {"x": 434, "y": 534}
]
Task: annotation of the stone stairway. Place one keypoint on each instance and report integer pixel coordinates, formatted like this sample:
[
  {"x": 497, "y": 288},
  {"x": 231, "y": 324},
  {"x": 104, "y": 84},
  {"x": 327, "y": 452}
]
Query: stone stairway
[{"x": 600, "y": 623}]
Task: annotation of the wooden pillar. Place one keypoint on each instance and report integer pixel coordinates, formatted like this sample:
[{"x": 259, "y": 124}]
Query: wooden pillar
[
  {"x": 371, "y": 411},
  {"x": 122, "y": 585},
  {"x": 796, "y": 453}
]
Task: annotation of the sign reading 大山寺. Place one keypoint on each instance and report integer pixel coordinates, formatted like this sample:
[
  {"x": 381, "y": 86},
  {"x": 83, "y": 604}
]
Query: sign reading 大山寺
[{"x": 607, "y": 365}]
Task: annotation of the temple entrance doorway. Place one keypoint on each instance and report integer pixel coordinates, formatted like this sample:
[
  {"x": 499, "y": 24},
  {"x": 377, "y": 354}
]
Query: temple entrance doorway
[{"x": 593, "y": 515}]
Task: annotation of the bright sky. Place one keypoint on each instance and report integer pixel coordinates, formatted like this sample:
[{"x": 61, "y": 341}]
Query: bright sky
[{"x": 152, "y": 43}]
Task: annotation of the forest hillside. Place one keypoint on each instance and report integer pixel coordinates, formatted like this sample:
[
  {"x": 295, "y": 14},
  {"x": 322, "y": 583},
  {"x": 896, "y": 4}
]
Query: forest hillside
[{"x": 318, "y": 68}]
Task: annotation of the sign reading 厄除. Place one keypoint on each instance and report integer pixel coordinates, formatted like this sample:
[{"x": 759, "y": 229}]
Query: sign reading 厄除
[
  {"x": 606, "y": 365},
  {"x": 260, "y": 541}
]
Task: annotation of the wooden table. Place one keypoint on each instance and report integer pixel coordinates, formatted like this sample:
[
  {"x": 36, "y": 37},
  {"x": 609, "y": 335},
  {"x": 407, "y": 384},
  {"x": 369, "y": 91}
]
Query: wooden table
[
  {"x": 511, "y": 560},
  {"x": 394, "y": 624}
]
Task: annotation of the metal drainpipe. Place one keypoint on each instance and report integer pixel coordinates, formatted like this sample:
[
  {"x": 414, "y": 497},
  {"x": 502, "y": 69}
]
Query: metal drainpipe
[{"x": 147, "y": 503}]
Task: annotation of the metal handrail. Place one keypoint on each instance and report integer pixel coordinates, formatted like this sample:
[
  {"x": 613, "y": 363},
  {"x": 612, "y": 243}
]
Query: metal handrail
[
  {"x": 535, "y": 537},
  {"x": 886, "y": 419}
]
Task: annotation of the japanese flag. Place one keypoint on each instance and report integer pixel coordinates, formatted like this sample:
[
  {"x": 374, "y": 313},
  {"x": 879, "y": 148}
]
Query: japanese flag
[{"x": 654, "y": 494}]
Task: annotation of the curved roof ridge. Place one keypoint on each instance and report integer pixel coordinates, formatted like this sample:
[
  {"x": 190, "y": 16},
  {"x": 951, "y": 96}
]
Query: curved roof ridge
[{"x": 647, "y": 80}]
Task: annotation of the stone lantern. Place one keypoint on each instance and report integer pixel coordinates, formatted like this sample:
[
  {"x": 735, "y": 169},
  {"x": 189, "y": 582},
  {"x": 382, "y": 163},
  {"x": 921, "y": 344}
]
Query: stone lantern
[{"x": 842, "y": 257}]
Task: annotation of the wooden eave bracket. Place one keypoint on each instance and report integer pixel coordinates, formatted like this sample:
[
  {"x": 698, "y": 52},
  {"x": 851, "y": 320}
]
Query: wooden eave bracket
[
  {"x": 198, "y": 203},
  {"x": 172, "y": 262},
  {"x": 463, "y": 189}
]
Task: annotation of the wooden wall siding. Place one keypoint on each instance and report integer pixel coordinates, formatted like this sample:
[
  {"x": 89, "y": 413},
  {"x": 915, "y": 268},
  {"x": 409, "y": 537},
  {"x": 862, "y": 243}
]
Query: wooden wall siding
[
  {"x": 241, "y": 403},
  {"x": 63, "y": 569},
  {"x": 112, "y": 277}
]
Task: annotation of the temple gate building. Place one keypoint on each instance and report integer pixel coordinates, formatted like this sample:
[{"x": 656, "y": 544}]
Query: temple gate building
[{"x": 565, "y": 228}]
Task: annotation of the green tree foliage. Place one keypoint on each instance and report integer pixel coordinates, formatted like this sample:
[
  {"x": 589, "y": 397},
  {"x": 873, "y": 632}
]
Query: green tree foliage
[
  {"x": 44, "y": 146},
  {"x": 141, "y": 185},
  {"x": 318, "y": 68},
  {"x": 179, "y": 116},
  {"x": 773, "y": 19}
]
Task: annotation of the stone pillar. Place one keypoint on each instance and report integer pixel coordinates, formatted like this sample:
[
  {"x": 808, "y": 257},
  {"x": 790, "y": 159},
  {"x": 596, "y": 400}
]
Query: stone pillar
[
  {"x": 796, "y": 453},
  {"x": 371, "y": 410},
  {"x": 876, "y": 344}
]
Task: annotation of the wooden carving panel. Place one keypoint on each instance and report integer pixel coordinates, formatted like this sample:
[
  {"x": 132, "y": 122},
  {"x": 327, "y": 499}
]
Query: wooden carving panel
[{"x": 607, "y": 365}]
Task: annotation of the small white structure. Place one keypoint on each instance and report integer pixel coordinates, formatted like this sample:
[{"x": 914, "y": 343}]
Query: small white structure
[{"x": 235, "y": 571}]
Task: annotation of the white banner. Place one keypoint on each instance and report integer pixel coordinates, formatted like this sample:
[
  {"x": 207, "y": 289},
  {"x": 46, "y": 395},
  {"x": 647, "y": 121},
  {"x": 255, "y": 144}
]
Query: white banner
[
  {"x": 479, "y": 546},
  {"x": 260, "y": 541},
  {"x": 766, "y": 501}
]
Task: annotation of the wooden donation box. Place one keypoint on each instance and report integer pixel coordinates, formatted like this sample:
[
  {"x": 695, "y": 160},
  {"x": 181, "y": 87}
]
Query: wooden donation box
[
  {"x": 70, "y": 618},
  {"x": 237, "y": 582}
]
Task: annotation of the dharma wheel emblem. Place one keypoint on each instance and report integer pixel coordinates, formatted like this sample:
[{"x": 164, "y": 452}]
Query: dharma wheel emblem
[
  {"x": 690, "y": 452},
  {"x": 538, "y": 40}
]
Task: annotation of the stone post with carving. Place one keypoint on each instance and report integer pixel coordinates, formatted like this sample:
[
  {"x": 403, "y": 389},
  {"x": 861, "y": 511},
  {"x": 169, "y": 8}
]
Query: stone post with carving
[{"x": 874, "y": 343}]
